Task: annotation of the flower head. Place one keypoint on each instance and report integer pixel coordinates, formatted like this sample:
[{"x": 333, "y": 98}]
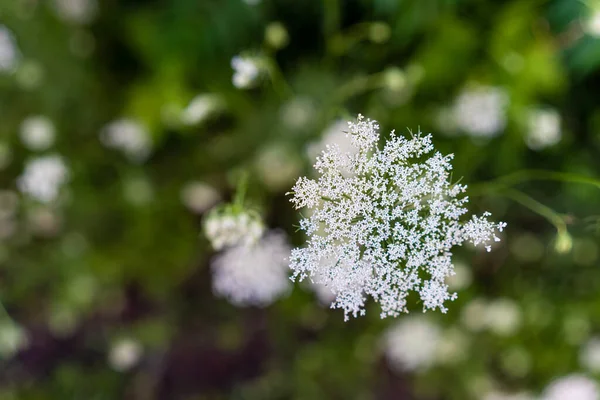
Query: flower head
[
  {"x": 412, "y": 344},
  {"x": 253, "y": 275},
  {"x": 481, "y": 111},
  {"x": 37, "y": 133},
  {"x": 226, "y": 227},
  {"x": 246, "y": 71},
  {"x": 129, "y": 136},
  {"x": 43, "y": 178},
  {"x": 384, "y": 222},
  {"x": 543, "y": 128}
]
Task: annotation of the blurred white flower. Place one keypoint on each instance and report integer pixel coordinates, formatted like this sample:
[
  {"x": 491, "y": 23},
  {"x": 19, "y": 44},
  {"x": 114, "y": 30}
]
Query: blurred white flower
[
  {"x": 592, "y": 25},
  {"x": 13, "y": 338},
  {"x": 129, "y": 136},
  {"x": 253, "y": 275},
  {"x": 246, "y": 72},
  {"x": 543, "y": 128},
  {"x": 125, "y": 354},
  {"x": 503, "y": 317},
  {"x": 572, "y": 387},
  {"x": 200, "y": 108},
  {"x": 461, "y": 278},
  {"x": 389, "y": 224},
  {"x": 411, "y": 343},
  {"x": 76, "y": 11},
  {"x": 9, "y": 54},
  {"x": 297, "y": 113},
  {"x": 199, "y": 197},
  {"x": 589, "y": 355},
  {"x": 480, "y": 111},
  {"x": 37, "y": 133},
  {"x": 43, "y": 178},
  {"x": 224, "y": 228},
  {"x": 252, "y": 2}
]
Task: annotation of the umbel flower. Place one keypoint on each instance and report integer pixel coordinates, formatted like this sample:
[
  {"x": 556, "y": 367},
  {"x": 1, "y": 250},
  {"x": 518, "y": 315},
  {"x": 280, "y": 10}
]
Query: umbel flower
[{"x": 383, "y": 222}]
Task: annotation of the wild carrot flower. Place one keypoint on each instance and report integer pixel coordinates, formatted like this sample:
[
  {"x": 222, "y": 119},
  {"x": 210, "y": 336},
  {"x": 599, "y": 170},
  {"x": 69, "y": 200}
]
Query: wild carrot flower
[
  {"x": 225, "y": 227},
  {"x": 383, "y": 222},
  {"x": 254, "y": 275}
]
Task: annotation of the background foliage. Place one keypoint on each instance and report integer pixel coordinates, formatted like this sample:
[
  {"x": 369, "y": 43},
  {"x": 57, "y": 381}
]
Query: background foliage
[{"x": 120, "y": 256}]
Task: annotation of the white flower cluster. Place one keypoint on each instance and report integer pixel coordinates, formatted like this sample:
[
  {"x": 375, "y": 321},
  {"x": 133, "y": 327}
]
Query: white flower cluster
[
  {"x": 225, "y": 228},
  {"x": 76, "y": 11},
  {"x": 480, "y": 111},
  {"x": 37, "y": 133},
  {"x": 200, "y": 108},
  {"x": 543, "y": 128},
  {"x": 415, "y": 343},
  {"x": 387, "y": 224},
  {"x": 43, "y": 178},
  {"x": 576, "y": 387},
  {"x": 128, "y": 136},
  {"x": 246, "y": 72},
  {"x": 253, "y": 275},
  {"x": 412, "y": 344}
]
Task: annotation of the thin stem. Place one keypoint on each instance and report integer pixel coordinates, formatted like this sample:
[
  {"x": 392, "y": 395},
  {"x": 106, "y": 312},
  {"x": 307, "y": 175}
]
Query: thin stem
[
  {"x": 240, "y": 191},
  {"x": 552, "y": 216}
]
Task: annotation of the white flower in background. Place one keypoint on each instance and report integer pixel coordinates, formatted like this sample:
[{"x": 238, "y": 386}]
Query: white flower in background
[
  {"x": 225, "y": 228},
  {"x": 503, "y": 317},
  {"x": 388, "y": 226},
  {"x": 572, "y": 387},
  {"x": 246, "y": 72},
  {"x": 13, "y": 338},
  {"x": 543, "y": 128},
  {"x": 125, "y": 354},
  {"x": 200, "y": 108},
  {"x": 592, "y": 25},
  {"x": 43, "y": 178},
  {"x": 76, "y": 11},
  {"x": 480, "y": 111},
  {"x": 9, "y": 54},
  {"x": 253, "y": 275},
  {"x": 37, "y": 133},
  {"x": 589, "y": 356},
  {"x": 129, "y": 136},
  {"x": 411, "y": 344},
  {"x": 199, "y": 197},
  {"x": 461, "y": 278},
  {"x": 252, "y": 2}
]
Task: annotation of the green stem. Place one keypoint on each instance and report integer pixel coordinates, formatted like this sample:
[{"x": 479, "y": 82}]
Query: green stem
[
  {"x": 552, "y": 216},
  {"x": 240, "y": 191}
]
